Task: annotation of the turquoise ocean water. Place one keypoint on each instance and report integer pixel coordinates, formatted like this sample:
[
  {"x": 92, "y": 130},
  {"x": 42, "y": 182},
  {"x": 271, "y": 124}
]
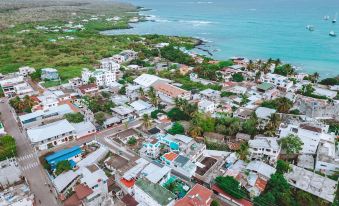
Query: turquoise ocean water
[{"x": 251, "y": 28}]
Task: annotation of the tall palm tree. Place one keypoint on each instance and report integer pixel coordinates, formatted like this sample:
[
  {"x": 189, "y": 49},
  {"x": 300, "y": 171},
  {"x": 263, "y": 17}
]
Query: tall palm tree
[
  {"x": 316, "y": 77},
  {"x": 284, "y": 105},
  {"x": 250, "y": 66},
  {"x": 190, "y": 109},
  {"x": 277, "y": 62},
  {"x": 146, "y": 121}
]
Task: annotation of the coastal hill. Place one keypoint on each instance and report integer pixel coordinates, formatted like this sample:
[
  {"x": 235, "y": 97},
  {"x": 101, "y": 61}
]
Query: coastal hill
[{"x": 23, "y": 11}]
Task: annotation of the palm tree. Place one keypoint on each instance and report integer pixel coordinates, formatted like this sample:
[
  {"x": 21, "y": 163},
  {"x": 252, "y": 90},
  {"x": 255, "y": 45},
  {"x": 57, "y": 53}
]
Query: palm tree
[
  {"x": 266, "y": 68},
  {"x": 277, "y": 62},
  {"x": 146, "y": 121},
  {"x": 316, "y": 77},
  {"x": 195, "y": 131},
  {"x": 284, "y": 105},
  {"x": 257, "y": 76},
  {"x": 243, "y": 152},
  {"x": 250, "y": 66},
  {"x": 141, "y": 92},
  {"x": 190, "y": 109},
  {"x": 28, "y": 101}
]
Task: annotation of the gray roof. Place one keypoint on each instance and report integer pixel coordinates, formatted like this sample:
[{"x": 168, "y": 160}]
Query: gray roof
[
  {"x": 261, "y": 168},
  {"x": 61, "y": 181},
  {"x": 264, "y": 142},
  {"x": 47, "y": 131},
  {"x": 264, "y": 112},
  {"x": 182, "y": 160}
]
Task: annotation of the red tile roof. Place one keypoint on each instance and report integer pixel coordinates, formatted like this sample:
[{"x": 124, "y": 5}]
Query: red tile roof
[
  {"x": 198, "y": 195},
  {"x": 72, "y": 201},
  {"x": 261, "y": 184},
  {"x": 241, "y": 202},
  {"x": 82, "y": 191},
  {"x": 127, "y": 183},
  {"x": 170, "y": 156}
]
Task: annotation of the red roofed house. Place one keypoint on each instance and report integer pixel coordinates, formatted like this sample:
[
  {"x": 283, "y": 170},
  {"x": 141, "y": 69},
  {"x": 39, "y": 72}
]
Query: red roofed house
[
  {"x": 198, "y": 195},
  {"x": 88, "y": 89},
  {"x": 81, "y": 192},
  {"x": 229, "y": 198}
]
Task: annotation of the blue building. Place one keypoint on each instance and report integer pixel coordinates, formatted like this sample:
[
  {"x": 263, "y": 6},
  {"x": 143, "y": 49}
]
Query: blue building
[{"x": 73, "y": 155}]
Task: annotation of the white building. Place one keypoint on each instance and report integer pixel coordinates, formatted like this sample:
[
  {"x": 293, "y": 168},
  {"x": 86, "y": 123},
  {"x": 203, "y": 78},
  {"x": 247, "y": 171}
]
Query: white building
[
  {"x": 108, "y": 64},
  {"x": 102, "y": 77},
  {"x": 94, "y": 178},
  {"x": 327, "y": 160},
  {"x": 49, "y": 135},
  {"x": 83, "y": 129},
  {"x": 278, "y": 80},
  {"x": 25, "y": 71},
  {"x": 313, "y": 183},
  {"x": 147, "y": 193},
  {"x": 309, "y": 133},
  {"x": 262, "y": 169},
  {"x": 8, "y": 85},
  {"x": 264, "y": 115},
  {"x": 264, "y": 148},
  {"x": 150, "y": 148},
  {"x": 147, "y": 80},
  {"x": 207, "y": 106},
  {"x": 325, "y": 92},
  {"x": 156, "y": 174}
]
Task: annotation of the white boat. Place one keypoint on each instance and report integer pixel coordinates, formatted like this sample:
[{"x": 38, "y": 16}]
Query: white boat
[
  {"x": 332, "y": 33},
  {"x": 335, "y": 18},
  {"x": 326, "y": 17},
  {"x": 310, "y": 27}
]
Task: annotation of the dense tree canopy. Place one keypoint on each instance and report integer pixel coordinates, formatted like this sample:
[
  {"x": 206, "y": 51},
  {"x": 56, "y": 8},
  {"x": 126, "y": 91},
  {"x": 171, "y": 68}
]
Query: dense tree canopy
[
  {"x": 291, "y": 144},
  {"x": 231, "y": 186},
  {"x": 177, "y": 128},
  {"x": 62, "y": 166},
  {"x": 74, "y": 117},
  {"x": 7, "y": 147}
]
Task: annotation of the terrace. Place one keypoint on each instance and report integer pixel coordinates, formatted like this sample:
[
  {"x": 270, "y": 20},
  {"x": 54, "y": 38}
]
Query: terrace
[{"x": 205, "y": 165}]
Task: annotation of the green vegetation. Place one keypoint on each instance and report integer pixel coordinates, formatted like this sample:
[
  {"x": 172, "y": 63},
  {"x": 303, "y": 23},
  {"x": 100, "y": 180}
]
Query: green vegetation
[
  {"x": 282, "y": 166},
  {"x": 215, "y": 203},
  {"x": 291, "y": 144},
  {"x": 243, "y": 152},
  {"x": 279, "y": 192},
  {"x": 62, "y": 166},
  {"x": 48, "y": 84},
  {"x": 284, "y": 70},
  {"x": 146, "y": 121},
  {"x": 74, "y": 117},
  {"x": 155, "y": 113},
  {"x": 231, "y": 186},
  {"x": 177, "y": 128},
  {"x": 132, "y": 141},
  {"x": 330, "y": 81},
  {"x": 216, "y": 145},
  {"x": 281, "y": 104},
  {"x": 175, "y": 55},
  {"x": 226, "y": 94},
  {"x": 237, "y": 77},
  {"x": 98, "y": 103},
  {"x": 99, "y": 118},
  {"x": 7, "y": 147},
  {"x": 307, "y": 90},
  {"x": 22, "y": 105}
]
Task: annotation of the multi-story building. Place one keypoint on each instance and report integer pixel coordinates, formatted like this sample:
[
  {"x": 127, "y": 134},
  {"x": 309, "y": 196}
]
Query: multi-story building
[
  {"x": 25, "y": 71},
  {"x": 280, "y": 81},
  {"x": 327, "y": 160},
  {"x": 102, "y": 77},
  {"x": 207, "y": 106},
  {"x": 50, "y": 135},
  {"x": 108, "y": 64},
  {"x": 198, "y": 195},
  {"x": 309, "y": 133},
  {"x": 264, "y": 148},
  {"x": 8, "y": 85},
  {"x": 150, "y": 148},
  {"x": 179, "y": 163}
]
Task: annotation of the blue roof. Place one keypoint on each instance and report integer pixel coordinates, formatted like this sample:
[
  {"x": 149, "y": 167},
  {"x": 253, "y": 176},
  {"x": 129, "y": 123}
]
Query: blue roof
[{"x": 64, "y": 154}]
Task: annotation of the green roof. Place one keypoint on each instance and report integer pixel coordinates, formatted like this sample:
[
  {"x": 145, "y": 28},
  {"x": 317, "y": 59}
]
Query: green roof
[
  {"x": 156, "y": 191},
  {"x": 265, "y": 86}
]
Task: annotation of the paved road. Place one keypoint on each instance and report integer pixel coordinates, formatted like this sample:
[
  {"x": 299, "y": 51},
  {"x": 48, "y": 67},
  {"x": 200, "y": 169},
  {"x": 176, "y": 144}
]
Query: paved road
[{"x": 27, "y": 158}]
